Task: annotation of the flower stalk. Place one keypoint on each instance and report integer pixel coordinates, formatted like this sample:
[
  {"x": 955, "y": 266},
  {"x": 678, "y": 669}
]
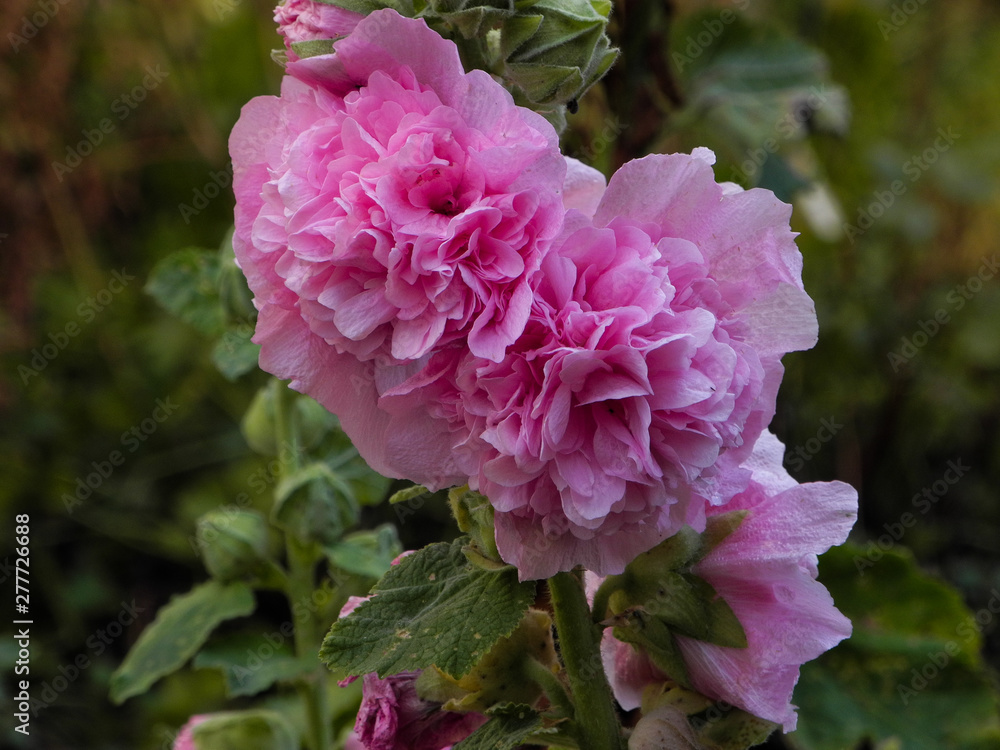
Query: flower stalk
[
  {"x": 579, "y": 644},
  {"x": 302, "y": 558}
]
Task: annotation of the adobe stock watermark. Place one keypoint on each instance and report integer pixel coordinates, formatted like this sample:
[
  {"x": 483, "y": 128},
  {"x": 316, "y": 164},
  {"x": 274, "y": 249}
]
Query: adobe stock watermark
[
  {"x": 32, "y": 24},
  {"x": 97, "y": 643},
  {"x": 957, "y": 298},
  {"x": 937, "y": 661},
  {"x": 201, "y": 197},
  {"x": 87, "y": 312},
  {"x": 130, "y": 440},
  {"x": 901, "y": 13},
  {"x": 123, "y": 106},
  {"x": 914, "y": 168},
  {"x": 804, "y": 453},
  {"x": 696, "y": 44},
  {"x": 922, "y": 501}
]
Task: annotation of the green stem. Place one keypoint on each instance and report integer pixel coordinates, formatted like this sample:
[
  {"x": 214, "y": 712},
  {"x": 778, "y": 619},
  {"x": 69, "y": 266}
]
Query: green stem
[
  {"x": 552, "y": 686},
  {"x": 580, "y": 646},
  {"x": 302, "y": 559}
]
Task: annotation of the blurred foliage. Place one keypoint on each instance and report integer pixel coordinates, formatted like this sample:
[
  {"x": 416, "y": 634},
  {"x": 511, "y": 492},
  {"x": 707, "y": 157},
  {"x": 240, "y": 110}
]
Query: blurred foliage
[{"x": 828, "y": 102}]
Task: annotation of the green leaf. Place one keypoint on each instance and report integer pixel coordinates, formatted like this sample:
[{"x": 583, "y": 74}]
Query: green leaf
[
  {"x": 251, "y": 664},
  {"x": 178, "y": 631},
  {"x": 245, "y": 730},
  {"x": 911, "y": 671},
  {"x": 366, "y": 553},
  {"x": 187, "y": 284},
  {"x": 509, "y": 726},
  {"x": 235, "y": 354},
  {"x": 433, "y": 608}
]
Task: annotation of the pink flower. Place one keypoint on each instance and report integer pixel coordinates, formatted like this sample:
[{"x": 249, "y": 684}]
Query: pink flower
[
  {"x": 309, "y": 20},
  {"x": 388, "y": 205},
  {"x": 649, "y": 363},
  {"x": 185, "y": 740},
  {"x": 766, "y": 572},
  {"x": 393, "y": 717}
]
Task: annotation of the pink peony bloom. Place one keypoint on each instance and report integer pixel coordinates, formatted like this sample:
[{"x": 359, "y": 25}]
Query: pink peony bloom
[
  {"x": 388, "y": 205},
  {"x": 393, "y": 717},
  {"x": 185, "y": 740},
  {"x": 766, "y": 572},
  {"x": 649, "y": 363},
  {"x": 309, "y": 20}
]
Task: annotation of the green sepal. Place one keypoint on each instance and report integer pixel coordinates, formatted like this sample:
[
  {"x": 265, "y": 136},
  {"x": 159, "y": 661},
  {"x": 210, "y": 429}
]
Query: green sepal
[
  {"x": 313, "y": 47},
  {"x": 364, "y": 7},
  {"x": 652, "y": 636},
  {"x": 432, "y": 609},
  {"x": 366, "y": 553},
  {"x": 474, "y": 516},
  {"x": 408, "y": 493},
  {"x": 235, "y": 544},
  {"x": 314, "y": 504}
]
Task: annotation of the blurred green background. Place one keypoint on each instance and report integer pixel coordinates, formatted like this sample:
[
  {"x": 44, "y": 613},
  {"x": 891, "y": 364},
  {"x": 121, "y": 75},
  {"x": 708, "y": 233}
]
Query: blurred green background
[{"x": 878, "y": 120}]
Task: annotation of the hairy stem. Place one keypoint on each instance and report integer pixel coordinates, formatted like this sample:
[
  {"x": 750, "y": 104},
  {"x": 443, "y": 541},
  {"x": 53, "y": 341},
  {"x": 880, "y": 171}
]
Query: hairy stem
[{"x": 579, "y": 643}]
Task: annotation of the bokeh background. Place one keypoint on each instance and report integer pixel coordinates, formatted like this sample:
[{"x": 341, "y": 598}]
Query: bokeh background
[{"x": 878, "y": 120}]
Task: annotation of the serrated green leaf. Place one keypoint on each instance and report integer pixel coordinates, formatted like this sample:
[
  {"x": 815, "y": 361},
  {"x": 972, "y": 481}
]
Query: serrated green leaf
[
  {"x": 244, "y": 730},
  {"x": 178, "y": 631},
  {"x": 252, "y": 664},
  {"x": 509, "y": 726},
  {"x": 433, "y": 608},
  {"x": 186, "y": 283}
]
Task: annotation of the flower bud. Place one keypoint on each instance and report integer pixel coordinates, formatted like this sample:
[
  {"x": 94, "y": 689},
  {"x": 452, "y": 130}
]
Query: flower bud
[{"x": 234, "y": 544}]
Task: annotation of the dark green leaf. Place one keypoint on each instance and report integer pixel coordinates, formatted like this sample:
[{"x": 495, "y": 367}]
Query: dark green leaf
[
  {"x": 178, "y": 631},
  {"x": 433, "y": 608},
  {"x": 251, "y": 664},
  {"x": 235, "y": 354},
  {"x": 187, "y": 284}
]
